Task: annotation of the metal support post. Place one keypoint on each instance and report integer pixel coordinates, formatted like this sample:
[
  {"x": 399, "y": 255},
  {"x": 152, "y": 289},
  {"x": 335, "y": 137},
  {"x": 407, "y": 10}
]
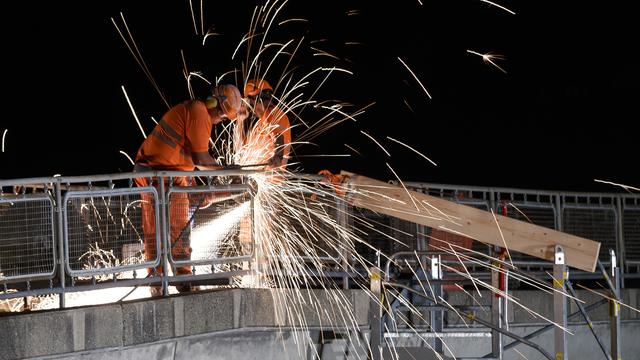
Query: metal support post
[
  {"x": 421, "y": 237},
  {"x": 560, "y": 304},
  {"x": 437, "y": 323},
  {"x": 496, "y": 314},
  {"x": 505, "y": 303},
  {"x": 164, "y": 235},
  {"x": 375, "y": 311},
  {"x": 61, "y": 254},
  {"x": 620, "y": 244},
  {"x": 614, "y": 308}
]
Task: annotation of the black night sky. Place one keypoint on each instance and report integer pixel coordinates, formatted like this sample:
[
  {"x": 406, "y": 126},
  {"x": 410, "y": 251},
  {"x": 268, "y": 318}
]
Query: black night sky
[{"x": 565, "y": 112}]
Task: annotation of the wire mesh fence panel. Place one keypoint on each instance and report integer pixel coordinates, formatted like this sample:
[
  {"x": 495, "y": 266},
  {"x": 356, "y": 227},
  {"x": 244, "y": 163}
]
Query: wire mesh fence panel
[
  {"x": 405, "y": 235},
  {"x": 593, "y": 223},
  {"x": 313, "y": 224},
  {"x": 631, "y": 232},
  {"x": 27, "y": 243},
  {"x": 105, "y": 230},
  {"x": 376, "y": 231},
  {"x": 207, "y": 227}
]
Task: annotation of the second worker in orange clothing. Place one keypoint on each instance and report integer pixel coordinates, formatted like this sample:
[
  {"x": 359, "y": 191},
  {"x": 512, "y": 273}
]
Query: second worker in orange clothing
[{"x": 266, "y": 139}]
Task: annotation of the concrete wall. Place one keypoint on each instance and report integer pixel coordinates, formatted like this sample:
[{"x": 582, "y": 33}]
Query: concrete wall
[
  {"x": 241, "y": 324},
  {"x": 148, "y": 321}
]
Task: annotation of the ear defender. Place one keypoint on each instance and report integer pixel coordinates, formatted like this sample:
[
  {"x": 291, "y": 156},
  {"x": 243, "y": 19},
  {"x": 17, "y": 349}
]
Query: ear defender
[{"x": 211, "y": 102}]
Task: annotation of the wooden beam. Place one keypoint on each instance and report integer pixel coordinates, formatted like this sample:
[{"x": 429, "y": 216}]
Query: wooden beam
[{"x": 465, "y": 220}]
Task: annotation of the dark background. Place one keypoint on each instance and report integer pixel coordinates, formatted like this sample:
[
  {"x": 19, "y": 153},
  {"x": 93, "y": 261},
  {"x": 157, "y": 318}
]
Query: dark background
[{"x": 565, "y": 113}]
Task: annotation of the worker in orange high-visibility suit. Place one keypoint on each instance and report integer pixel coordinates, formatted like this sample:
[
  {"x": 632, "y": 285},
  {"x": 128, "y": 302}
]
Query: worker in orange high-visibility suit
[
  {"x": 180, "y": 142},
  {"x": 264, "y": 138},
  {"x": 268, "y": 135}
]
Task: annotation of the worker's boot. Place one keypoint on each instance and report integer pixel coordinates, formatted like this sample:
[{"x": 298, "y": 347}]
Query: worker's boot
[
  {"x": 155, "y": 290},
  {"x": 185, "y": 288}
]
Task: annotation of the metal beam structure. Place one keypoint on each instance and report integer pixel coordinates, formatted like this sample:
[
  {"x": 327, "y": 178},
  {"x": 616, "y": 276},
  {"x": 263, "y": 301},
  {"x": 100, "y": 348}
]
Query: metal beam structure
[{"x": 560, "y": 304}]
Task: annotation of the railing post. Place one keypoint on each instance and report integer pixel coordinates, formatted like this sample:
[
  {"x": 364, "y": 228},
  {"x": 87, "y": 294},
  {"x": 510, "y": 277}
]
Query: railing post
[
  {"x": 614, "y": 308},
  {"x": 560, "y": 304},
  {"x": 496, "y": 313},
  {"x": 61, "y": 254},
  {"x": 559, "y": 213},
  {"x": 620, "y": 244},
  {"x": 164, "y": 235},
  {"x": 437, "y": 322},
  {"x": 375, "y": 314}
]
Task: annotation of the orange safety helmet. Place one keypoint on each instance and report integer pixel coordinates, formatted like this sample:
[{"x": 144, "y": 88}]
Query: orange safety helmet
[
  {"x": 256, "y": 86},
  {"x": 227, "y": 98}
]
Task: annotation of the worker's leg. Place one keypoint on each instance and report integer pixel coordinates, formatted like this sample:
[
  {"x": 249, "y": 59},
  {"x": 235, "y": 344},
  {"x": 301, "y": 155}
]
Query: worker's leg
[
  {"x": 148, "y": 223},
  {"x": 180, "y": 227}
]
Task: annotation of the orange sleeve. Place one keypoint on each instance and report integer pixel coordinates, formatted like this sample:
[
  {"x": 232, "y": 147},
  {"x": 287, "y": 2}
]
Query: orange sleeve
[{"x": 198, "y": 127}]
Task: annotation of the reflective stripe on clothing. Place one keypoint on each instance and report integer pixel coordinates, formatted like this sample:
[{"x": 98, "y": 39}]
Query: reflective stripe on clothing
[{"x": 184, "y": 129}]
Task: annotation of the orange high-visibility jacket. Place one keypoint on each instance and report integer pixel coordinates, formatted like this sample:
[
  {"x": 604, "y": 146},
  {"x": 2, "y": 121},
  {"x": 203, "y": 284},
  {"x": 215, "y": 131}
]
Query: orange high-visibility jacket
[
  {"x": 280, "y": 133},
  {"x": 183, "y": 130},
  {"x": 269, "y": 137}
]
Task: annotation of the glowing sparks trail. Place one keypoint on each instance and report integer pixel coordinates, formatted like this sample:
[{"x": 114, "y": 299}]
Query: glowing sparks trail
[
  {"x": 193, "y": 17},
  {"x": 487, "y": 58},
  {"x": 134, "y": 112},
  {"x": 296, "y": 232},
  {"x": 352, "y": 149},
  {"x": 608, "y": 297},
  {"x": 412, "y": 149},
  {"x": 375, "y": 141},
  {"x": 209, "y": 33},
  {"x": 502, "y": 236},
  {"x": 291, "y": 20},
  {"x": 128, "y": 157},
  {"x": 137, "y": 55},
  {"x": 498, "y": 6},
  {"x": 415, "y": 77},
  {"x": 208, "y": 238},
  {"x": 626, "y": 187},
  {"x": 404, "y": 187},
  {"x": 4, "y": 134},
  {"x": 521, "y": 213}
]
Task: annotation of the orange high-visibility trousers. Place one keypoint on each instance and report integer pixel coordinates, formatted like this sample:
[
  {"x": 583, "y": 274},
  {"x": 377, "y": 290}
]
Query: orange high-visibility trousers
[{"x": 179, "y": 234}]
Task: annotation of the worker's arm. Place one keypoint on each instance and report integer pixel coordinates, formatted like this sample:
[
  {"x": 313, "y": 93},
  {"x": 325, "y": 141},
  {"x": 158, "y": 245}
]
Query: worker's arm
[
  {"x": 204, "y": 161},
  {"x": 197, "y": 129},
  {"x": 278, "y": 154},
  {"x": 282, "y": 140},
  {"x": 241, "y": 121}
]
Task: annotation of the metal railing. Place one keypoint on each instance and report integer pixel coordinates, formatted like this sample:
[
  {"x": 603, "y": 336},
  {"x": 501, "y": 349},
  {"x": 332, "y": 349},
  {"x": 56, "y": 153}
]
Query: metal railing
[
  {"x": 69, "y": 234},
  {"x": 27, "y": 245},
  {"x": 609, "y": 218}
]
